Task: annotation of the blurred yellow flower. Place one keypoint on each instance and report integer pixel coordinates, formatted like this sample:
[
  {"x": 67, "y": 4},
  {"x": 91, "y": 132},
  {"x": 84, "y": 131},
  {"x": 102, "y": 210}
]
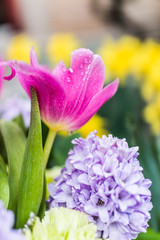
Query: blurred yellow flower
[
  {"x": 19, "y": 48},
  {"x": 60, "y": 46},
  {"x": 152, "y": 115},
  {"x": 117, "y": 56},
  {"x": 108, "y": 53},
  {"x": 127, "y": 47},
  {"x": 151, "y": 83},
  {"x": 95, "y": 123},
  {"x": 144, "y": 60}
]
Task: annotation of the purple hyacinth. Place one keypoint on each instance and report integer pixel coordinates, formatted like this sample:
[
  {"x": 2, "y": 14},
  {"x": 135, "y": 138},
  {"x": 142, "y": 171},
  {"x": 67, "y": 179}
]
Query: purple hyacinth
[
  {"x": 103, "y": 178},
  {"x": 6, "y": 224}
]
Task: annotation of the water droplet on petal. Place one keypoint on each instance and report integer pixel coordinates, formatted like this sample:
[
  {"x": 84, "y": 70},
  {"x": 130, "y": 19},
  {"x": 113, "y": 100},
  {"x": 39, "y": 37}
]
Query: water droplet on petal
[
  {"x": 71, "y": 70},
  {"x": 90, "y": 60},
  {"x": 82, "y": 73},
  {"x": 86, "y": 60},
  {"x": 81, "y": 66},
  {"x": 68, "y": 79}
]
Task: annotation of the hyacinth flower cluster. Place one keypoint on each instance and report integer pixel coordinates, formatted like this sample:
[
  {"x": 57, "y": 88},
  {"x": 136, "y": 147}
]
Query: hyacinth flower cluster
[{"x": 103, "y": 178}]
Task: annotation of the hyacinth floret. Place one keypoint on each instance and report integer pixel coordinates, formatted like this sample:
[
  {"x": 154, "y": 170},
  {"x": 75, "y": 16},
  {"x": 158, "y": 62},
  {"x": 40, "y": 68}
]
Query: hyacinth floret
[
  {"x": 6, "y": 225},
  {"x": 103, "y": 178}
]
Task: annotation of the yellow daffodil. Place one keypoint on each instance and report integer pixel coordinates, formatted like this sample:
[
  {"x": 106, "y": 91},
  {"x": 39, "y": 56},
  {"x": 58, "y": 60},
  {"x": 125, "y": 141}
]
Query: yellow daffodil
[
  {"x": 117, "y": 56},
  {"x": 151, "y": 82},
  {"x": 95, "y": 123},
  {"x": 145, "y": 58},
  {"x": 19, "y": 48},
  {"x": 152, "y": 115},
  {"x": 60, "y": 46},
  {"x": 127, "y": 47},
  {"x": 108, "y": 53}
]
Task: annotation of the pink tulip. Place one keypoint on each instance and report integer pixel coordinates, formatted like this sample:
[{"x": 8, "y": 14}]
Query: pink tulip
[{"x": 67, "y": 98}]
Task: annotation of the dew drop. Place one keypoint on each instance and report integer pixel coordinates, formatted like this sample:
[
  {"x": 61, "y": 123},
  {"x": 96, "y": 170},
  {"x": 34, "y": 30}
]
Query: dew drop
[
  {"x": 90, "y": 60},
  {"x": 68, "y": 79},
  {"x": 71, "y": 70},
  {"x": 86, "y": 60},
  {"x": 81, "y": 66},
  {"x": 82, "y": 73}
]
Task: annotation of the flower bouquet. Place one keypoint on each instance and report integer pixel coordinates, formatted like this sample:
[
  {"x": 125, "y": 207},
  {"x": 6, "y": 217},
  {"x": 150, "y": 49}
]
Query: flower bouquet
[{"x": 101, "y": 192}]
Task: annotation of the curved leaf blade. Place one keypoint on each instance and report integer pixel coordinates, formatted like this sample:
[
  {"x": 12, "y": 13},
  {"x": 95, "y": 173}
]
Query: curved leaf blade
[
  {"x": 15, "y": 142},
  {"x": 31, "y": 182},
  {"x": 4, "y": 186}
]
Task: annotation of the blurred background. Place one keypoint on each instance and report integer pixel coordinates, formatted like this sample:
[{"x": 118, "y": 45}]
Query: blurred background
[{"x": 126, "y": 33}]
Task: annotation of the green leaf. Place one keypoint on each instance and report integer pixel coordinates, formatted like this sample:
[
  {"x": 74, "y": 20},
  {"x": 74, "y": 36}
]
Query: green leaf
[
  {"x": 20, "y": 122},
  {"x": 2, "y": 163},
  {"x": 4, "y": 186},
  {"x": 15, "y": 141},
  {"x": 31, "y": 183},
  {"x": 60, "y": 149},
  {"x": 150, "y": 235},
  {"x": 42, "y": 208}
]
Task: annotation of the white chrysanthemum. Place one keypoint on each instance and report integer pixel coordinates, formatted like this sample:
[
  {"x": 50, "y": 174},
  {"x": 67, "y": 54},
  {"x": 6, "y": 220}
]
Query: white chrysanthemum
[{"x": 62, "y": 224}]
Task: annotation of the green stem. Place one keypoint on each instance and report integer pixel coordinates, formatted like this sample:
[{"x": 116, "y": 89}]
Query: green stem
[{"x": 47, "y": 147}]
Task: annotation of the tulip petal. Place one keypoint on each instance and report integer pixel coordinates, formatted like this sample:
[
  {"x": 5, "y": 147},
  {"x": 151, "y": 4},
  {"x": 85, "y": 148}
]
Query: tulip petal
[
  {"x": 82, "y": 81},
  {"x": 96, "y": 102},
  {"x": 83, "y": 63},
  {"x": 94, "y": 83},
  {"x": 72, "y": 79},
  {"x": 34, "y": 61},
  {"x": 33, "y": 58},
  {"x": 51, "y": 95}
]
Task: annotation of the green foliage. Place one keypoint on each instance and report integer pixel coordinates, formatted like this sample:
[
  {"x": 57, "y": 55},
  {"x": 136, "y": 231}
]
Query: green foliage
[
  {"x": 150, "y": 235},
  {"x": 31, "y": 182},
  {"x": 126, "y": 104},
  {"x": 60, "y": 149},
  {"x": 4, "y": 186},
  {"x": 15, "y": 142}
]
